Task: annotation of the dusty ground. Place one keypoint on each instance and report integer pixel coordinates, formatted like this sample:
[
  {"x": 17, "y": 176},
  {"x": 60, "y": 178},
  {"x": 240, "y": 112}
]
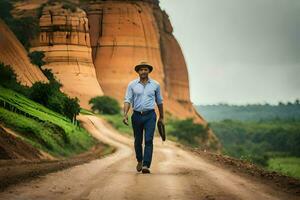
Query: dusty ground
[
  {"x": 12, "y": 147},
  {"x": 176, "y": 174},
  {"x": 20, "y": 161}
]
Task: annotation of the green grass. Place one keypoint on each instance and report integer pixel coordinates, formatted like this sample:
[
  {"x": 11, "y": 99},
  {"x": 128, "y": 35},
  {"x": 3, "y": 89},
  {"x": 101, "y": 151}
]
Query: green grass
[
  {"x": 41, "y": 127},
  {"x": 289, "y": 166},
  {"x": 86, "y": 112},
  {"x": 117, "y": 122}
]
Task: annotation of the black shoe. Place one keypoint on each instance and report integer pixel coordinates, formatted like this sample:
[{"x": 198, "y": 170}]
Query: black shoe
[
  {"x": 139, "y": 166},
  {"x": 145, "y": 170}
]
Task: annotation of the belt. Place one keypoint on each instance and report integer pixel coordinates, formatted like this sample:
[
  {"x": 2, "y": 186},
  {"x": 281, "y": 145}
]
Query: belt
[{"x": 143, "y": 112}]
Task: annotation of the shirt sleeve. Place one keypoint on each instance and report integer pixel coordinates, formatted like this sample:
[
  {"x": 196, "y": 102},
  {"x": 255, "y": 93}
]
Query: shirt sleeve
[
  {"x": 159, "y": 98},
  {"x": 129, "y": 94}
]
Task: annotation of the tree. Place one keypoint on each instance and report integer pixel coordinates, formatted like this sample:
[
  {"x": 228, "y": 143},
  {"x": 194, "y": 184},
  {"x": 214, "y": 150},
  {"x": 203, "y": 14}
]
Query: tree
[
  {"x": 7, "y": 74},
  {"x": 50, "y": 76},
  {"x": 36, "y": 58},
  {"x": 9, "y": 80},
  {"x": 105, "y": 105},
  {"x": 188, "y": 131},
  {"x": 5, "y": 8},
  {"x": 71, "y": 107},
  {"x": 41, "y": 92},
  {"x": 49, "y": 95}
]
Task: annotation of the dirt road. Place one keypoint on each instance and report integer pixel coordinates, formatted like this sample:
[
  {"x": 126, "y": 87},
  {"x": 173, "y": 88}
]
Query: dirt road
[{"x": 176, "y": 174}]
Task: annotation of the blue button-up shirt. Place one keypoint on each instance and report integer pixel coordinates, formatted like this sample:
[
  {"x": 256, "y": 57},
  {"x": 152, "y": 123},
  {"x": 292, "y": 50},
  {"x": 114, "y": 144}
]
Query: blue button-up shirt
[{"x": 143, "y": 97}]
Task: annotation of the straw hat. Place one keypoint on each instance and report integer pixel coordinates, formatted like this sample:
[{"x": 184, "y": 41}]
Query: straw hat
[{"x": 143, "y": 64}]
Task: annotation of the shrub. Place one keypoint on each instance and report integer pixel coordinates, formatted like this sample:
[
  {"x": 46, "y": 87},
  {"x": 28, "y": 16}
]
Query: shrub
[
  {"x": 47, "y": 94},
  {"x": 187, "y": 131},
  {"x": 41, "y": 92},
  {"x": 105, "y": 105},
  {"x": 5, "y": 8},
  {"x": 25, "y": 29},
  {"x": 69, "y": 6},
  {"x": 36, "y": 58},
  {"x": 71, "y": 107},
  {"x": 7, "y": 74},
  {"x": 56, "y": 102},
  {"x": 9, "y": 80},
  {"x": 48, "y": 73}
]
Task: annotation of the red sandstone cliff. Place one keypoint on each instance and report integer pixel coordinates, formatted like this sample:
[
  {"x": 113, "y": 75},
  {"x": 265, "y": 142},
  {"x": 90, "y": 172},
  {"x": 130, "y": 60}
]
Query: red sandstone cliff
[
  {"x": 123, "y": 33},
  {"x": 92, "y": 51},
  {"x": 13, "y": 53},
  {"x": 64, "y": 37}
]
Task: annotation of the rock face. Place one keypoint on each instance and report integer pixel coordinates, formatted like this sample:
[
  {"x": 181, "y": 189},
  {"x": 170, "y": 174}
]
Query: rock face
[
  {"x": 176, "y": 73},
  {"x": 101, "y": 45},
  {"x": 64, "y": 38},
  {"x": 123, "y": 33},
  {"x": 13, "y": 53}
]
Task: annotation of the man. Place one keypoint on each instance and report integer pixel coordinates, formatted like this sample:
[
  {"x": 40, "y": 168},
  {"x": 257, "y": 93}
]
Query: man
[{"x": 142, "y": 93}]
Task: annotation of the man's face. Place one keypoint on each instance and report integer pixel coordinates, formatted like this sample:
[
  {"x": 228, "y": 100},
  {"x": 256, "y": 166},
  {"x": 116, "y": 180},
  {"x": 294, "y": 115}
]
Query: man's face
[{"x": 143, "y": 72}]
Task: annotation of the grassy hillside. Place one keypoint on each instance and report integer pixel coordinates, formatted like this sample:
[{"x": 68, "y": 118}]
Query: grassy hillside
[
  {"x": 43, "y": 128},
  {"x": 287, "y": 165},
  {"x": 273, "y": 144},
  {"x": 268, "y": 135}
]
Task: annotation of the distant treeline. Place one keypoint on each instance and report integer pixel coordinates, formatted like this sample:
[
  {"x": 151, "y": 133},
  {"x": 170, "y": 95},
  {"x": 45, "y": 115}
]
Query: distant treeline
[
  {"x": 254, "y": 112},
  {"x": 259, "y": 141}
]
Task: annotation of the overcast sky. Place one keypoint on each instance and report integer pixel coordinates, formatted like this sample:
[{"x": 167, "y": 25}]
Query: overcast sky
[{"x": 239, "y": 51}]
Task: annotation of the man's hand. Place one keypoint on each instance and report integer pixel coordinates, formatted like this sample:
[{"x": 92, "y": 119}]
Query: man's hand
[
  {"x": 125, "y": 120},
  {"x": 161, "y": 119},
  {"x": 161, "y": 113},
  {"x": 126, "y": 109}
]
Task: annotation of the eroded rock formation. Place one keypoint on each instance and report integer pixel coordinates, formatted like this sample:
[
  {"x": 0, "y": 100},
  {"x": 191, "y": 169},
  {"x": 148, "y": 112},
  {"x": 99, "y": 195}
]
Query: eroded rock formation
[
  {"x": 14, "y": 54},
  {"x": 123, "y": 33},
  {"x": 100, "y": 46},
  {"x": 65, "y": 39}
]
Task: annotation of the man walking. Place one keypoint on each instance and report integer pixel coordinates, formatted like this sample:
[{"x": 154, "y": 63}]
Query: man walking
[{"x": 142, "y": 93}]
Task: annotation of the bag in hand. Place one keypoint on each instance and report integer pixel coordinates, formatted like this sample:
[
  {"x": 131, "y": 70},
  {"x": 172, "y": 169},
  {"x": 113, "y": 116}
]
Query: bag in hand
[{"x": 161, "y": 130}]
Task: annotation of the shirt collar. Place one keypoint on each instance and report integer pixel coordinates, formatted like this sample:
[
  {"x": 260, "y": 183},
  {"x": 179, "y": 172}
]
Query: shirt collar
[{"x": 149, "y": 80}]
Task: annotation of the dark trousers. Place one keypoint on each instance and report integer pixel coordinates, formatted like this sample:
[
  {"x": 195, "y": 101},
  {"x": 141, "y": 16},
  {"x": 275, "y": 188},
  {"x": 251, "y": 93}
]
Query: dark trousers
[{"x": 141, "y": 122}]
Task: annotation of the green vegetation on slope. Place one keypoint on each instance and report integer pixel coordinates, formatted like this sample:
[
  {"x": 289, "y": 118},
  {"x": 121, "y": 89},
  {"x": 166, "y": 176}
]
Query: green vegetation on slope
[
  {"x": 269, "y": 143},
  {"x": 267, "y": 135},
  {"x": 42, "y": 127},
  {"x": 287, "y": 165},
  {"x": 259, "y": 140},
  {"x": 116, "y": 121},
  {"x": 105, "y": 105},
  {"x": 187, "y": 132},
  {"x": 47, "y": 94}
]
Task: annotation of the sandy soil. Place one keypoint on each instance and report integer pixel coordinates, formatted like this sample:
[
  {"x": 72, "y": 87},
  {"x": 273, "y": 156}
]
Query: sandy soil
[{"x": 175, "y": 174}]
